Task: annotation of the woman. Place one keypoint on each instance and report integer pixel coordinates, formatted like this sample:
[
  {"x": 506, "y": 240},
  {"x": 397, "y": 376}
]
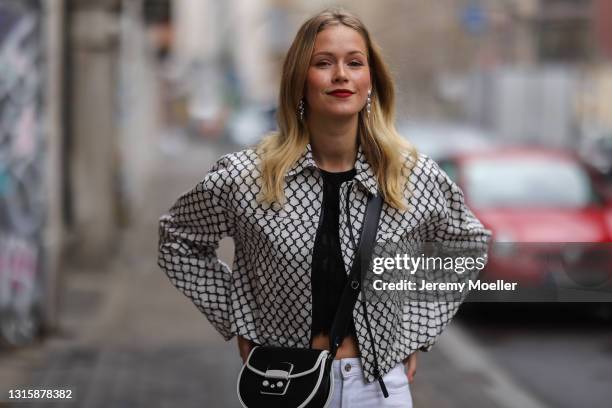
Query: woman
[{"x": 293, "y": 206}]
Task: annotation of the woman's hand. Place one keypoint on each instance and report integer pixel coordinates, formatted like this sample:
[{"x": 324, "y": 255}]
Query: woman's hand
[
  {"x": 411, "y": 364},
  {"x": 244, "y": 346}
]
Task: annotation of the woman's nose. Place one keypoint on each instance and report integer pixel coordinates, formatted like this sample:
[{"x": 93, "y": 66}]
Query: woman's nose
[{"x": 340, "y": 74}]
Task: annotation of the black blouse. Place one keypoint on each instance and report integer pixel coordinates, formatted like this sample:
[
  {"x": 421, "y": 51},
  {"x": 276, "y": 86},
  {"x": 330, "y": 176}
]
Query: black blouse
[{"x": 328, "y": 271}]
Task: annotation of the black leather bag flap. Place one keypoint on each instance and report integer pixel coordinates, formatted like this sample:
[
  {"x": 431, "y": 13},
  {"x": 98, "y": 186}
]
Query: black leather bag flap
[
  {"x": 303, "y": 361},
  {"x": 285, "y": 378}
]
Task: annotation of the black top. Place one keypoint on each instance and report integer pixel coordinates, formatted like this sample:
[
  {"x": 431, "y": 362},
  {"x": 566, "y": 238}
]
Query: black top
[{"x": 328, "y": 271}]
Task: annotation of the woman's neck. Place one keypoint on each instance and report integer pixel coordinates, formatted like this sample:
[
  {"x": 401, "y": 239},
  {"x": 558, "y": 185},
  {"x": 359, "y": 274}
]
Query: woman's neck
[{"x": 334, "y": 143}]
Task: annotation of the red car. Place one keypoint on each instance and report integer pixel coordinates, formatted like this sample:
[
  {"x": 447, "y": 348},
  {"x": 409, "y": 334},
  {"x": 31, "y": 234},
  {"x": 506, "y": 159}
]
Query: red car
[{"x": 547, "y": 211}]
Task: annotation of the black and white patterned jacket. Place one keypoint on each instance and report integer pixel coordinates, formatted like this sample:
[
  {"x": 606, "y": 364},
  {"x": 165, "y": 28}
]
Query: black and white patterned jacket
[{"x": 266, "y": 296}]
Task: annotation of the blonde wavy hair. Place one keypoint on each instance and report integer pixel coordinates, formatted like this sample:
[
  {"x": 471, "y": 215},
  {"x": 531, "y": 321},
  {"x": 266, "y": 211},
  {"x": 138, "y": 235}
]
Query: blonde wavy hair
[{"x": 385, "y": 150}]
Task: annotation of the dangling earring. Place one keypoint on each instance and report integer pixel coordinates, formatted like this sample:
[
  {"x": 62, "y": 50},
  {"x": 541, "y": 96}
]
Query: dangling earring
[
  {"x": 300, "y": 109},
  {"x": 369, "y": 102}
]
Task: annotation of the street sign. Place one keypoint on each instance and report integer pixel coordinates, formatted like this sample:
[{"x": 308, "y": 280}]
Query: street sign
[{"x": 474, "y": 19}]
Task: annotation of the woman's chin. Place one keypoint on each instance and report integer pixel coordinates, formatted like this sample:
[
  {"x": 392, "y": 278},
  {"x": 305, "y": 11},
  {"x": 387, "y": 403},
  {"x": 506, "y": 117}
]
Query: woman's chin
[{"x": 340, "y": 114}]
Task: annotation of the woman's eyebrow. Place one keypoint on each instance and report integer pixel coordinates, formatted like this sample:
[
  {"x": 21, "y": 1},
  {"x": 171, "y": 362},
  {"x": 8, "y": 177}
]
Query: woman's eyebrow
[{"x": 332, "y": 54}]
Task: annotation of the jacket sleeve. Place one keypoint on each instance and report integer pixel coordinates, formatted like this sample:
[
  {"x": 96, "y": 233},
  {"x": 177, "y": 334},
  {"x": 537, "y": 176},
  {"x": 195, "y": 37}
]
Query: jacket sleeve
[
  {"x": 455, "y": 228},
  {"x": 458, "y": 223},
  {"x": 189, "y": 236}
]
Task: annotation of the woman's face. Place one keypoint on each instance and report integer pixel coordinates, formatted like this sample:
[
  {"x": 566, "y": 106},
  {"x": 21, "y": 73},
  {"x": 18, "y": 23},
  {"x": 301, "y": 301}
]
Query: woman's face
[{"x": 338, "y": 76}]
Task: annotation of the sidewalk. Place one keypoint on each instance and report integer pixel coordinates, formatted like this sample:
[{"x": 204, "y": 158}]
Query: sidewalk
[{"x": 128, "y": 338}]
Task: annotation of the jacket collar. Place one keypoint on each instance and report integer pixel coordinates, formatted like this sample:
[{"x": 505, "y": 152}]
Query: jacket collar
[{"x": 364, "y": 172}]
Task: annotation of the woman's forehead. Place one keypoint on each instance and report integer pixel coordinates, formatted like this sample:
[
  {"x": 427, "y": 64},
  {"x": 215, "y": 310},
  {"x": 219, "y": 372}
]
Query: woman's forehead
[{"x": 339, "y": 39}]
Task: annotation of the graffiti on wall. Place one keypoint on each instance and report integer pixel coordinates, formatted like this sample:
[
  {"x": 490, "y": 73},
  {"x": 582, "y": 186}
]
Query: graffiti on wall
[{"x": 21, "y": 158}]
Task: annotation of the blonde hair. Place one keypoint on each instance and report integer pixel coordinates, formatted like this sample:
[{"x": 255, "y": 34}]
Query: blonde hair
[{"x": 385, "y": 150}]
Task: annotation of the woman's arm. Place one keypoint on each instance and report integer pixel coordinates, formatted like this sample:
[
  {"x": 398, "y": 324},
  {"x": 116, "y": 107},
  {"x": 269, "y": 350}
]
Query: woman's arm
[
  {"x": 189, "y": 236},
  {"x": 456, "y": 230},
  {"x": 244, "y": 347},
  {"x": 410, "y": 363},
  {"x": 459, "y": 223}
]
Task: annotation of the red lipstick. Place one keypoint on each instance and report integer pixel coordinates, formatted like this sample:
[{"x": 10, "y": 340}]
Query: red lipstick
[{"x": 341, "y": 93}]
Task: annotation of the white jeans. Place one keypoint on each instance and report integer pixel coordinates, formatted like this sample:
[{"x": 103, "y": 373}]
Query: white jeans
[{"x": 351, "y": 390}]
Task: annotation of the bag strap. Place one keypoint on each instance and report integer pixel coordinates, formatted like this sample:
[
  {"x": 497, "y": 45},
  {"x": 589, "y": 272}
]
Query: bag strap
[{"x": 361, "y": 261}]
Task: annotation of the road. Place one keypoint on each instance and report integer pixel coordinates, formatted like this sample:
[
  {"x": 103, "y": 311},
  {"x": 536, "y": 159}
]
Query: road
[{"x": 561, "y": 355}]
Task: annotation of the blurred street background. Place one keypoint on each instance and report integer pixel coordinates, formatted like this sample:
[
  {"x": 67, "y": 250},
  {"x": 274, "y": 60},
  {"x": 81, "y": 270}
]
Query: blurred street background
[{"x": 109, "y": 109}]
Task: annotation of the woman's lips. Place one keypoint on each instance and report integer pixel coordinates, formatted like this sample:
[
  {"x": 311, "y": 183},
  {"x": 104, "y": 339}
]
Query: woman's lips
[{"x": 341, "y": 94}]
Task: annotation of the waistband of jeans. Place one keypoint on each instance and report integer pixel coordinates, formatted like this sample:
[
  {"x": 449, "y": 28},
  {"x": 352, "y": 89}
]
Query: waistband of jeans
[{"x": 339, "y": 367}]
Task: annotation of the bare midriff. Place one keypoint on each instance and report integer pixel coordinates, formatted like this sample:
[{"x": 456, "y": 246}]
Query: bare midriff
[{"x": 349, "y": 347}]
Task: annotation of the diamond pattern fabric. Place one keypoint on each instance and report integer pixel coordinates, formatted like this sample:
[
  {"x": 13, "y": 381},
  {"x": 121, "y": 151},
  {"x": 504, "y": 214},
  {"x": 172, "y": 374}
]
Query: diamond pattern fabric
[{"x": 266, "y": 295}]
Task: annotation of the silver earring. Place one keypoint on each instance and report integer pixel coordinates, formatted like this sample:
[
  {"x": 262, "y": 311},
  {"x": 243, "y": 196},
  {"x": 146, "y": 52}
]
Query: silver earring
[
  {"x": 369, "y": 102},
  {"x": 300, "y": 109}
]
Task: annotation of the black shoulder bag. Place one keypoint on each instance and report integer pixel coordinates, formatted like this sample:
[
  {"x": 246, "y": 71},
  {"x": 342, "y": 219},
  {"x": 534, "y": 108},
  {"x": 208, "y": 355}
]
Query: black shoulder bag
[{"x": 284, "y": 377}]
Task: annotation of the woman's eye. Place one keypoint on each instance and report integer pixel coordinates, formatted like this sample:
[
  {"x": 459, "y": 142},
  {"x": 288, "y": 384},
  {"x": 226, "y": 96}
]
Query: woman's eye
[{"x": 324, "y": 63}]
